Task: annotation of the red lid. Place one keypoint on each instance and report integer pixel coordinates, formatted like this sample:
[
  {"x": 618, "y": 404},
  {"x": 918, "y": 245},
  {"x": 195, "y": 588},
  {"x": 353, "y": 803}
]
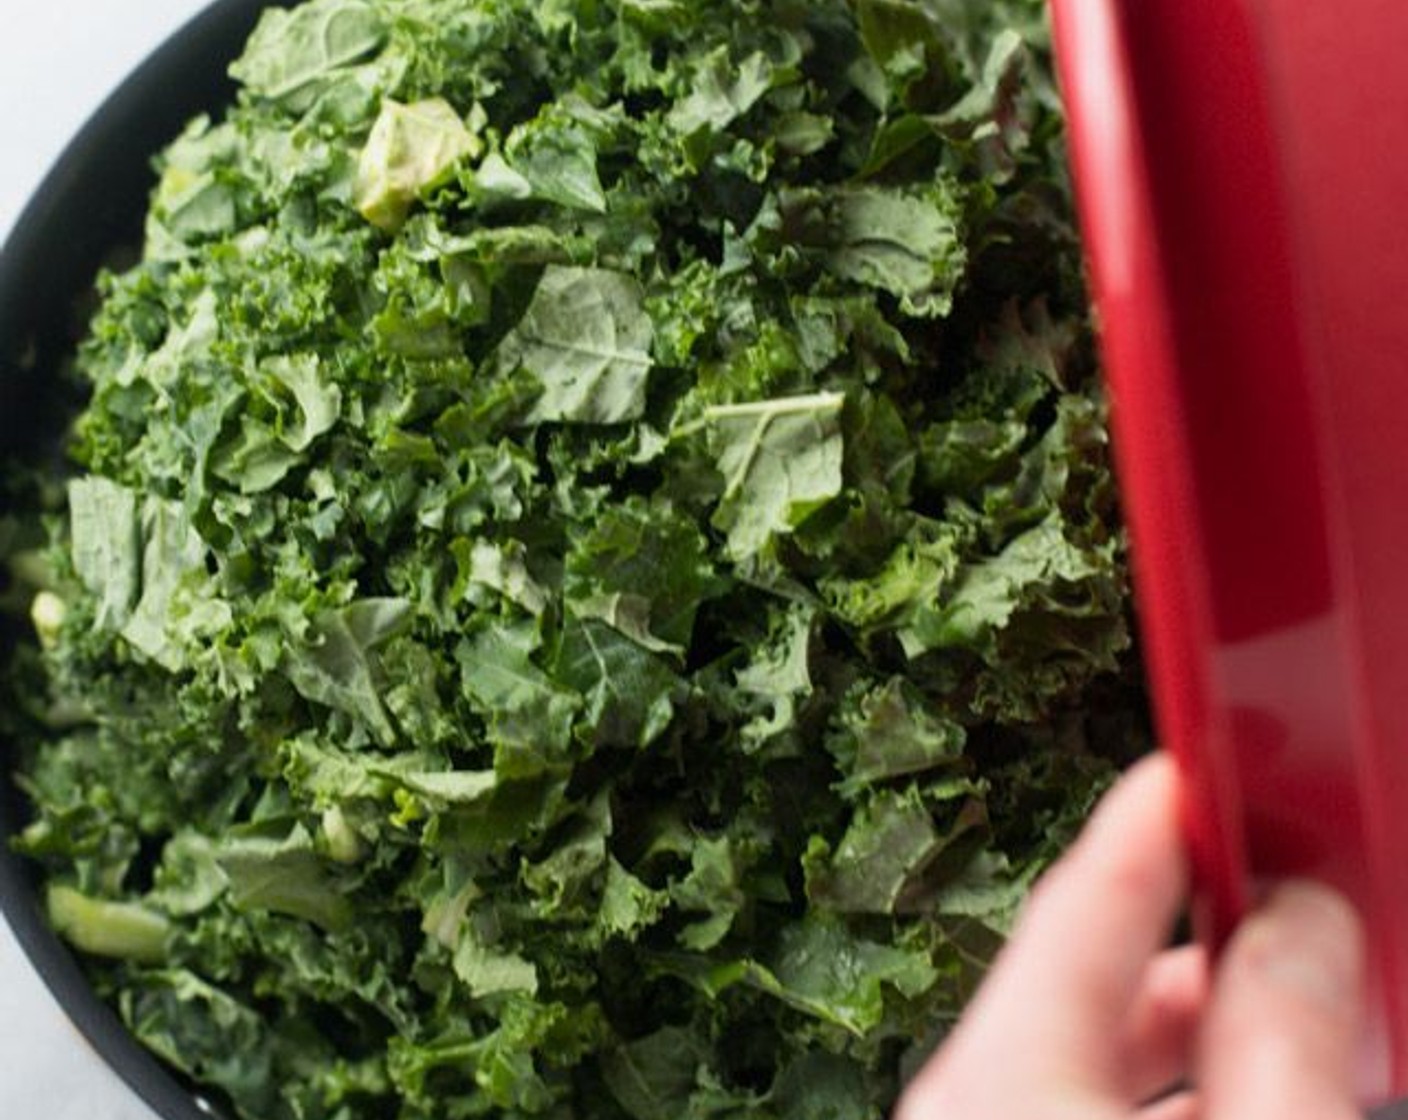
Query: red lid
[{"x": 1242, "y": 185}]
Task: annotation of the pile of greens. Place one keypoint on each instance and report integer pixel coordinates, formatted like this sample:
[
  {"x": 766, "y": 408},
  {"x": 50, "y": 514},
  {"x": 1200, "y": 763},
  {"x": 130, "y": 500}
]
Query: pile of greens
[{"x": 591, "y": 581}]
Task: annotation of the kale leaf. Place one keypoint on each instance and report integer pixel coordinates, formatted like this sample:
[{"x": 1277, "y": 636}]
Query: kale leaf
[{"x": 590, "y": 582}]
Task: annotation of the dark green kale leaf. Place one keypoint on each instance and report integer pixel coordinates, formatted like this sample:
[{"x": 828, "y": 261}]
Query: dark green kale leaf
[{"x": 590, "y": 582}]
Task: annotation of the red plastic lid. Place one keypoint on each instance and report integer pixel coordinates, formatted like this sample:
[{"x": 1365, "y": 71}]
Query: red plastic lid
[{"x": 1242, "y": 185}]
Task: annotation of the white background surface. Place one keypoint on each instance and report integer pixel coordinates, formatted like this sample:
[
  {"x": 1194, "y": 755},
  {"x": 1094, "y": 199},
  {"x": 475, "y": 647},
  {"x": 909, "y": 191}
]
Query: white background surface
[{"x": 58, "y": 60}]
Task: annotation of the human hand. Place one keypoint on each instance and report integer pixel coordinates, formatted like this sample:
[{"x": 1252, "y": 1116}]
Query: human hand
[{"x": 1085, "y": 1018}]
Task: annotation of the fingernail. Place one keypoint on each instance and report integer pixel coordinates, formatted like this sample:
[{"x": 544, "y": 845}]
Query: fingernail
[{"x": 1306, "y": 940}]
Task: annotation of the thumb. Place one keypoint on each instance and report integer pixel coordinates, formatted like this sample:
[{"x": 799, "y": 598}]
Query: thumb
[{"x": 1281, "y": 1032}]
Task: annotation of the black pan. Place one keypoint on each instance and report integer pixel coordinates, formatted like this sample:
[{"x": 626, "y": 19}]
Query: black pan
[{"x": 89, "y": 208}]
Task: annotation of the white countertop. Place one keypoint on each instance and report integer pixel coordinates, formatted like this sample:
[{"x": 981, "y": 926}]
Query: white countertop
[{"x": 58, "y": 60}]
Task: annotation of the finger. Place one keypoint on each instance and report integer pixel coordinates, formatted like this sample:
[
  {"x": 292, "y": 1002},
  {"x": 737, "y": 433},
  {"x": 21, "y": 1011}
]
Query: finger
[
  {"x": 1284, "y": 1017},
  {"x": 1160, "y": 1036},
  {"x": 1180, "y": 1106},
  {"x": 1066, "y": 984}
]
